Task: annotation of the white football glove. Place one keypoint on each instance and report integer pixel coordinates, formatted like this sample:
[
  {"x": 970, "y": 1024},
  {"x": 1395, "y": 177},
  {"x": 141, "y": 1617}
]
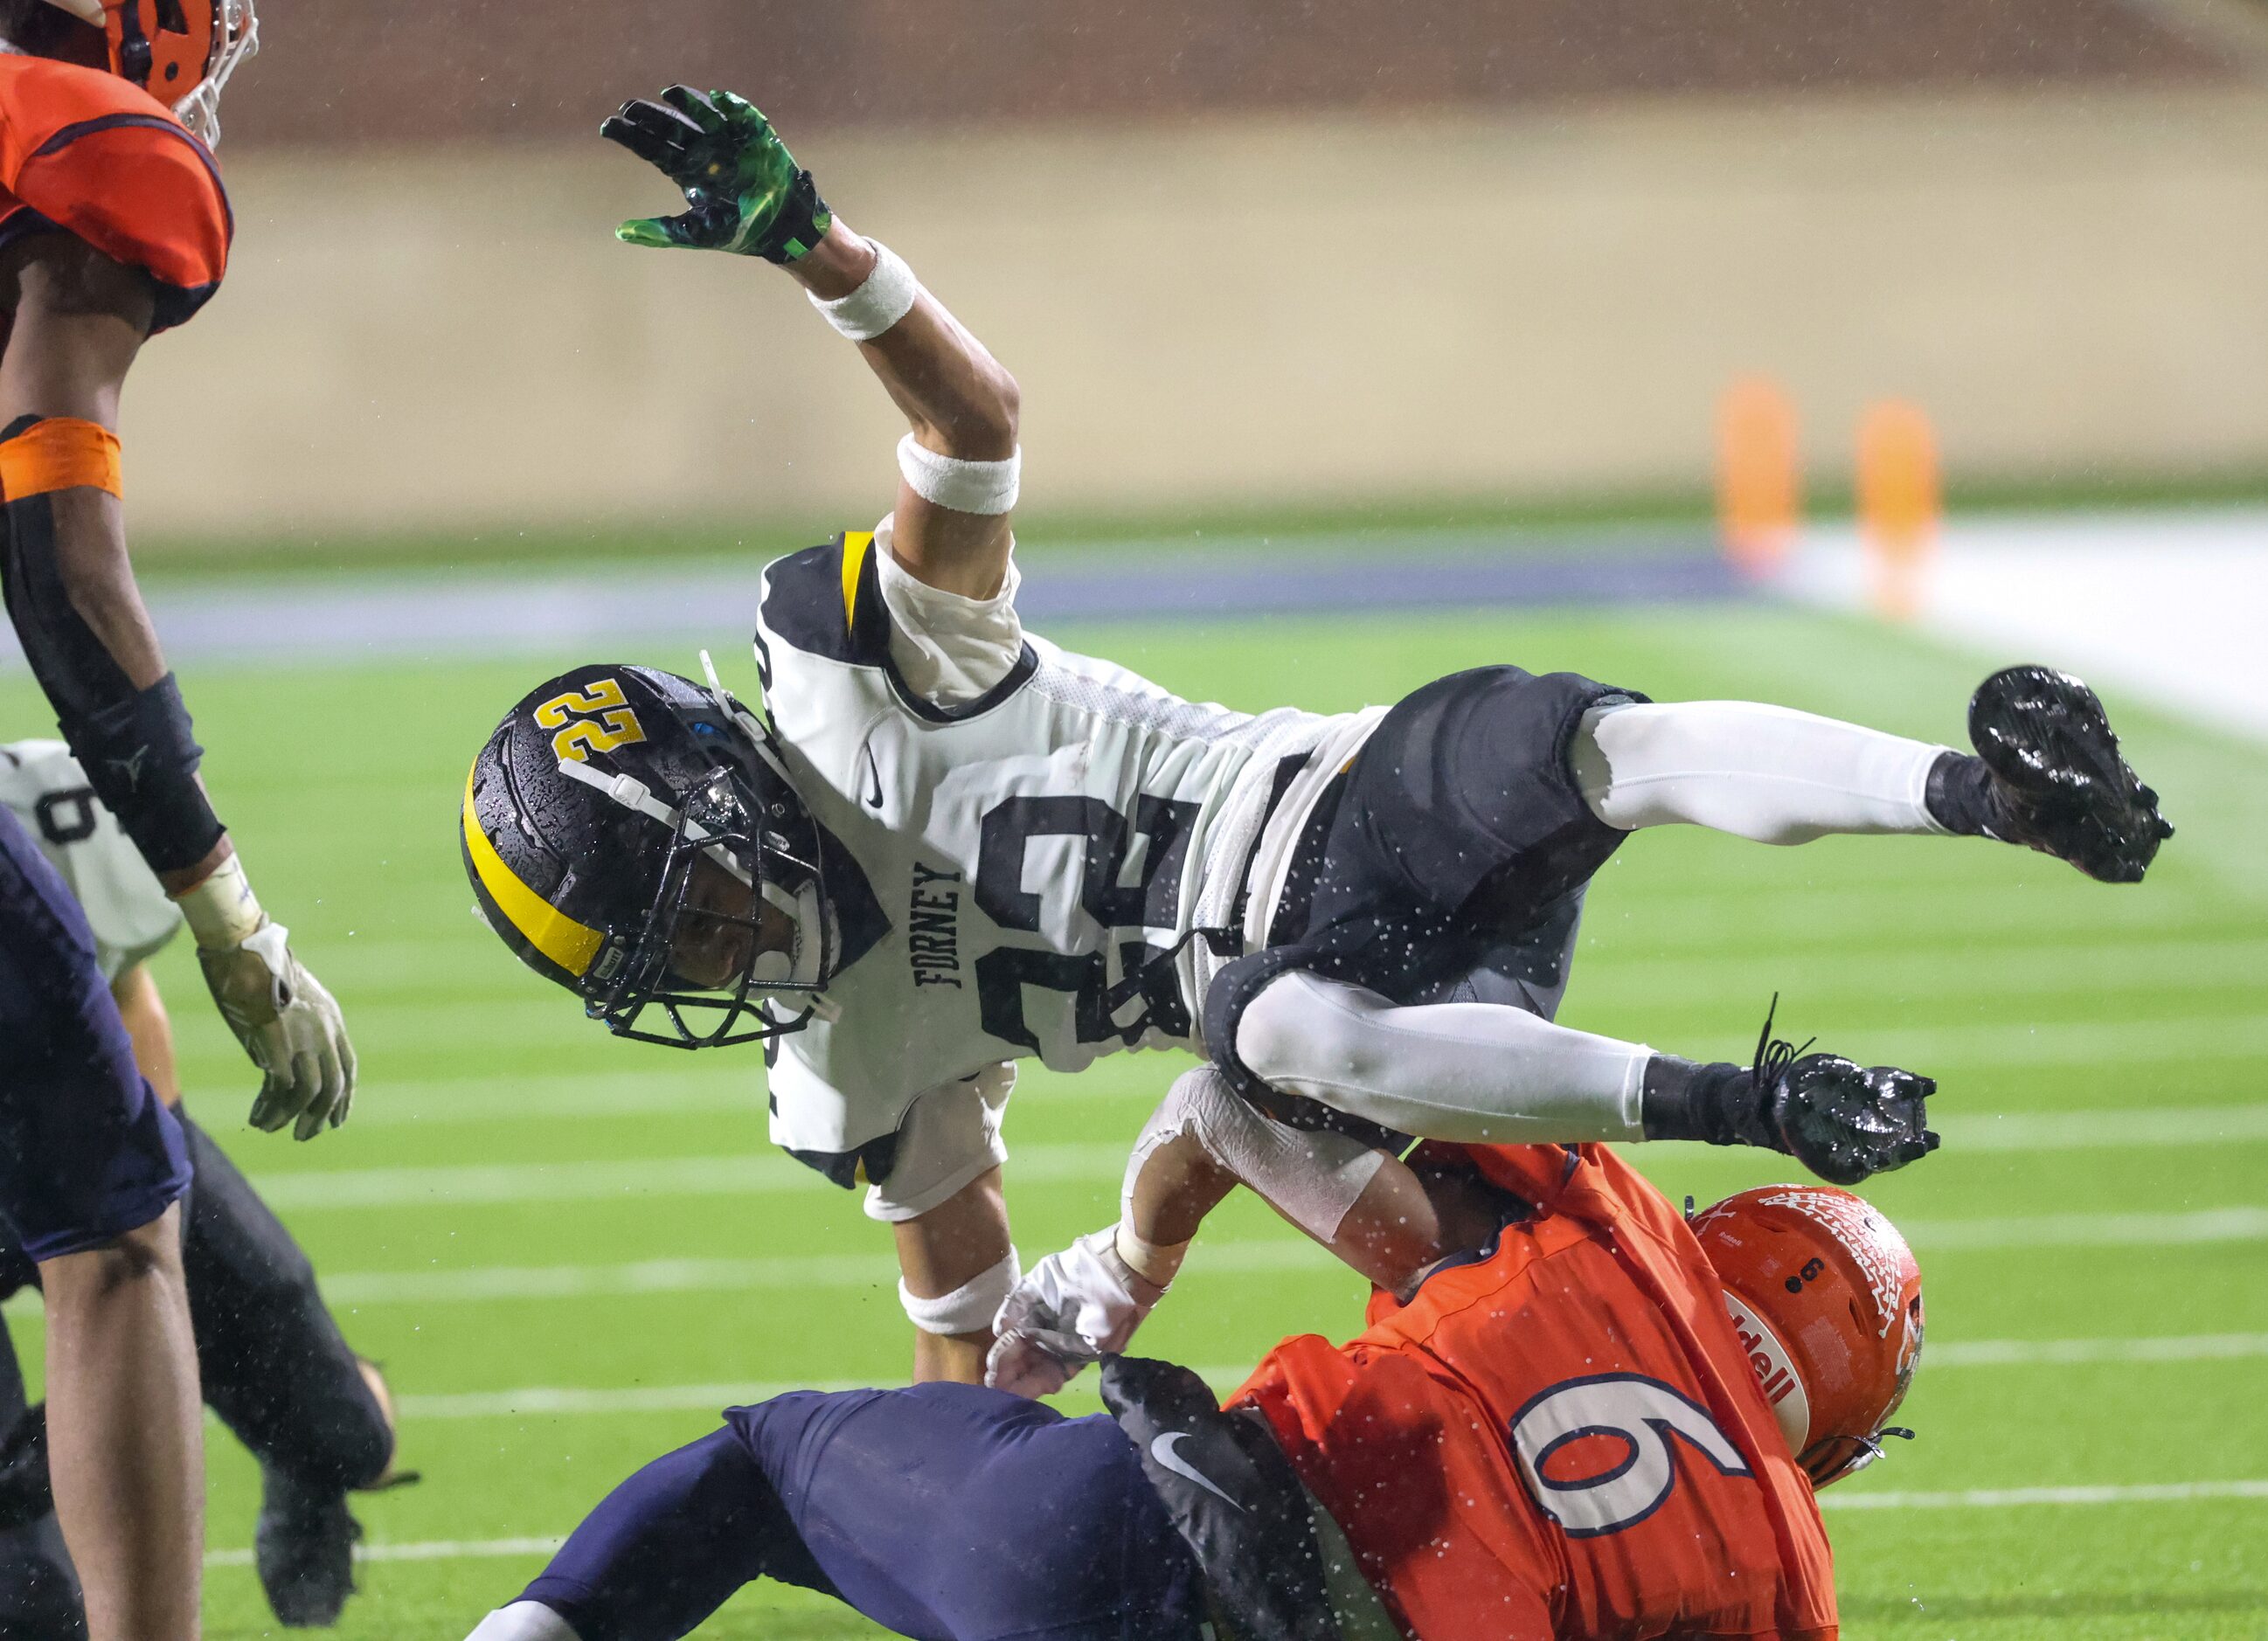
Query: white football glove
[
  {"x": 1070, "y": 1309},
  {"x": 290, "y": 1026},
  {"x": 279, "y": 1011}
]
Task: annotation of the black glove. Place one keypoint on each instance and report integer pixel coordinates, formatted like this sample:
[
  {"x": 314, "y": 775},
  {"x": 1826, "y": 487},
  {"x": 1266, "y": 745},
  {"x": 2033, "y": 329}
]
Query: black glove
[{"x": 1843, "y": 1121}]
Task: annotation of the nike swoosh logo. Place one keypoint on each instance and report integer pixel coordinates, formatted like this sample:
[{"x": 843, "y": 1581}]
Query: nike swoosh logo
[
  {"x": 1161, "y": 1449},
  {"x": 874, "y": 776}
]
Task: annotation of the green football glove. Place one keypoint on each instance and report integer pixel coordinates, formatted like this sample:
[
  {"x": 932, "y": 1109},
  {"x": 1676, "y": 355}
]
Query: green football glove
[{"x": 744, "y": 192}]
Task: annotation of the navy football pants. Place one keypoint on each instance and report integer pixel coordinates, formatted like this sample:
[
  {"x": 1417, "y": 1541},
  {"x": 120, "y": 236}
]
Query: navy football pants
[
  {"x": 87, "y": 1152},
  {"x": 946, "y": 1513}
]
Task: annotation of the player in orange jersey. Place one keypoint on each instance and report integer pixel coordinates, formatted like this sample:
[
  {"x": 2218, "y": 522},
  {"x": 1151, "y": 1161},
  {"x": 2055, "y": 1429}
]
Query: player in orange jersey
[
  {"x": 114, "y": 225},
  {"x": 1573, "y": 1415}
]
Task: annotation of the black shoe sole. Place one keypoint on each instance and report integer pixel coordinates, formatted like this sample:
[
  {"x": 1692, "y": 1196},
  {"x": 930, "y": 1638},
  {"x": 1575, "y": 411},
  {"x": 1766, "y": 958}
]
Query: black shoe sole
[{"x": 2066, "y": 791}]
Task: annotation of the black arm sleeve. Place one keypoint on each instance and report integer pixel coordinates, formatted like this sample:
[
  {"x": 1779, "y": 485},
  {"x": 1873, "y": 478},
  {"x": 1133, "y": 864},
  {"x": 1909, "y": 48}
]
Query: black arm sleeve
[{"x": 137, "y": 746}]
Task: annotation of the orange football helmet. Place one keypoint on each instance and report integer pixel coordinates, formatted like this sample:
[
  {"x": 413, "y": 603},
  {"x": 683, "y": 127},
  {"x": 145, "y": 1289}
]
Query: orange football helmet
[
  {"x": 1826, "y": 1296},
  {"x": 181, "y": 52}
]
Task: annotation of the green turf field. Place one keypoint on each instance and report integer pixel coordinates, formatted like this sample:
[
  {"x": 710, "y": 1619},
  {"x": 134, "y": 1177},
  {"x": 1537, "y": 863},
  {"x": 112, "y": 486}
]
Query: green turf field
[{"x": 493, "y": 1223}]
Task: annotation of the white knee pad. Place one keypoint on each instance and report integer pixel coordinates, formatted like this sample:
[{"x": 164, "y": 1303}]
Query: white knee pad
[
  {"x": 524, "y": 1621},
  {"x": 968, "y": 1308}
]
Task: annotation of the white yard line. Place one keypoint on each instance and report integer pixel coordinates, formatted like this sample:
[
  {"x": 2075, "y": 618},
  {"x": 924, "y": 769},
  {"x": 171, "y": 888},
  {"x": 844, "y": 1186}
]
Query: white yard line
[
  {"x": 2105, "y": 1130},
  {"x": 1978, "y": 1498},
  {"x": 2211, "y": 1224},
  {"x": 1240, "y": 1257},
  {"x": 763, "y": 1173},
  {"x": 557, "y": 1401},
  {"x": 2002, "y": 1498},
  {"x": 313, "y": 1189},
  {"x": 2081, "y": 1353},
  {"x": 484, "y": 1283},
  {"x": 432, "y": 1549},
  {"x": 1248, "y": 1256}
]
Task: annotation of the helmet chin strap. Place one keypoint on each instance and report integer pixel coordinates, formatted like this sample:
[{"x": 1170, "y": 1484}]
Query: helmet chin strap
[
  {"x": 632, "y": 793},
  {"x": 759, "y": 737}
]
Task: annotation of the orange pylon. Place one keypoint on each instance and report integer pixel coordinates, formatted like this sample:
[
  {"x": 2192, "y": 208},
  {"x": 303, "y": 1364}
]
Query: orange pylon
[
  {"x": 1759, "y": 480},
  {"x": 1901, "y": 503}
]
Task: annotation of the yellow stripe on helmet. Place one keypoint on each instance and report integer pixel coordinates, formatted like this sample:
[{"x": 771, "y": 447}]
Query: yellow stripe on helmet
[{"x": 558, "y": 937}]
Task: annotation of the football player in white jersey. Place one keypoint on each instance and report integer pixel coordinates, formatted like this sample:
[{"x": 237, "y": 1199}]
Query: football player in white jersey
[
  {"x": 954, "y": 845},
  {"x": 271, "y": 1361}
]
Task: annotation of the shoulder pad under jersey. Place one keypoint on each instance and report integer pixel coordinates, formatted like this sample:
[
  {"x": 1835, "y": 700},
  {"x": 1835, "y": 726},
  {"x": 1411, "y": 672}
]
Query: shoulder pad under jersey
[{"x": 85, "y": 152}]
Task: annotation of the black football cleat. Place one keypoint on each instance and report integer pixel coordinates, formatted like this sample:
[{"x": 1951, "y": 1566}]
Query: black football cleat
[
  {"x": 2056, "y": 782},
  {"x": 304, "y": 1550}
]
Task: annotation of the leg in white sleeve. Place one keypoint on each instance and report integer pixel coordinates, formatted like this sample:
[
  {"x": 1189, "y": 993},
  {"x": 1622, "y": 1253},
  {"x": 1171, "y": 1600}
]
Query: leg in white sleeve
[{"x": 1764, "y": 773}]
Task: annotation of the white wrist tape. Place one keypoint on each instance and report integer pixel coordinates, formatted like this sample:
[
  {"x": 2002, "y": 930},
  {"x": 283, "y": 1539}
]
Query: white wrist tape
[
  {"x": 885, "y": 296},
  {"x": 969, "y": 487},
  {"x": 221, "y": 911},
  {"x": 1312, "y": 1179},
  {"x": 968, "y": 1308},
  {"x": 1157, "y": 1263}
]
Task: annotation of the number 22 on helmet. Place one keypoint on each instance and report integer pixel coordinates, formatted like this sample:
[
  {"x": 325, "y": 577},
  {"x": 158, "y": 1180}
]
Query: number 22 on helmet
[
  {"x": 634, "y": 836},
  {"x": 181, "y": 52}
]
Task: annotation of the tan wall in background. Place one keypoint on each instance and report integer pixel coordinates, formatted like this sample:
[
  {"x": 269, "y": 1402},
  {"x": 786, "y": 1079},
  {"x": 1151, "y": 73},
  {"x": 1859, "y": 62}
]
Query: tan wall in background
[{"x": 1286, "y": 308}]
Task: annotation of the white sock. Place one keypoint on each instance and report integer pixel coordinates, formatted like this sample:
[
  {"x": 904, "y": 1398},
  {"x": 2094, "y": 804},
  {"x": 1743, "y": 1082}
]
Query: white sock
[
  {"x": 524, "y": 1621},
  {"x": 1764, "y": 773},
  {"x": 1476, "y": 1072}
]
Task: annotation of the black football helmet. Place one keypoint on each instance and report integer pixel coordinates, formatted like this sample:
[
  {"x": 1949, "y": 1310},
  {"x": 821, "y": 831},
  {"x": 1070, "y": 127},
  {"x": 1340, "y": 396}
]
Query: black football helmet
[{"x": 634, "y": 836}]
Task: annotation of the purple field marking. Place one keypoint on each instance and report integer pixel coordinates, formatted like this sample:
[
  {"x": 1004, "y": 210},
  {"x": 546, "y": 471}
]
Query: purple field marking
[{"x": 357, "y": 617}]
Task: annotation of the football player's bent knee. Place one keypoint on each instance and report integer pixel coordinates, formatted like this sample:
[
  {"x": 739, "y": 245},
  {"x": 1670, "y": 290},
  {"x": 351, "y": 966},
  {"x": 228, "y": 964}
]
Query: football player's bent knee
[
  {"x": 971, "y": 1307},
  {"x": 1311, "y": 1036}
]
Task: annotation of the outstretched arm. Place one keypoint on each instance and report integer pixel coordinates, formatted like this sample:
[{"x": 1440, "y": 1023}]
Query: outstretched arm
[
  {"x": 80, "y": 319},
  {"x": 1486, "y": 1073},
  {"x": 746, "y": 194}
]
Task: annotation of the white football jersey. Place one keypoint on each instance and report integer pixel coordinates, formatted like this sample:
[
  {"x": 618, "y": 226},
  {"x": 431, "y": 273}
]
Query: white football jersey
[
  {"x": 124, "y": 903},
  {"x": 1029, "y": 849}
]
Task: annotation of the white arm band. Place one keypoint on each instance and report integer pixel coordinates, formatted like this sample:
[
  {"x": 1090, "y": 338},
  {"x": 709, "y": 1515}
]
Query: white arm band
[
  {"x": 971, "y": 1307},
  {"x": 884, "y": 296},
  {"x": 1311, "y": 1179},
  {"x": 969, "y": 487}
]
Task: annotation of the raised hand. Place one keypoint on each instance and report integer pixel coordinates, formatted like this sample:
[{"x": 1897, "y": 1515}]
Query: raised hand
[{"x": 744, "y": 192}]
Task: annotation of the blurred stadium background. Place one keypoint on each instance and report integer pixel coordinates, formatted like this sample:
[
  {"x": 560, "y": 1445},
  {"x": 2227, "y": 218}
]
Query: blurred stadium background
[{"x": 1358, "y": 343}]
